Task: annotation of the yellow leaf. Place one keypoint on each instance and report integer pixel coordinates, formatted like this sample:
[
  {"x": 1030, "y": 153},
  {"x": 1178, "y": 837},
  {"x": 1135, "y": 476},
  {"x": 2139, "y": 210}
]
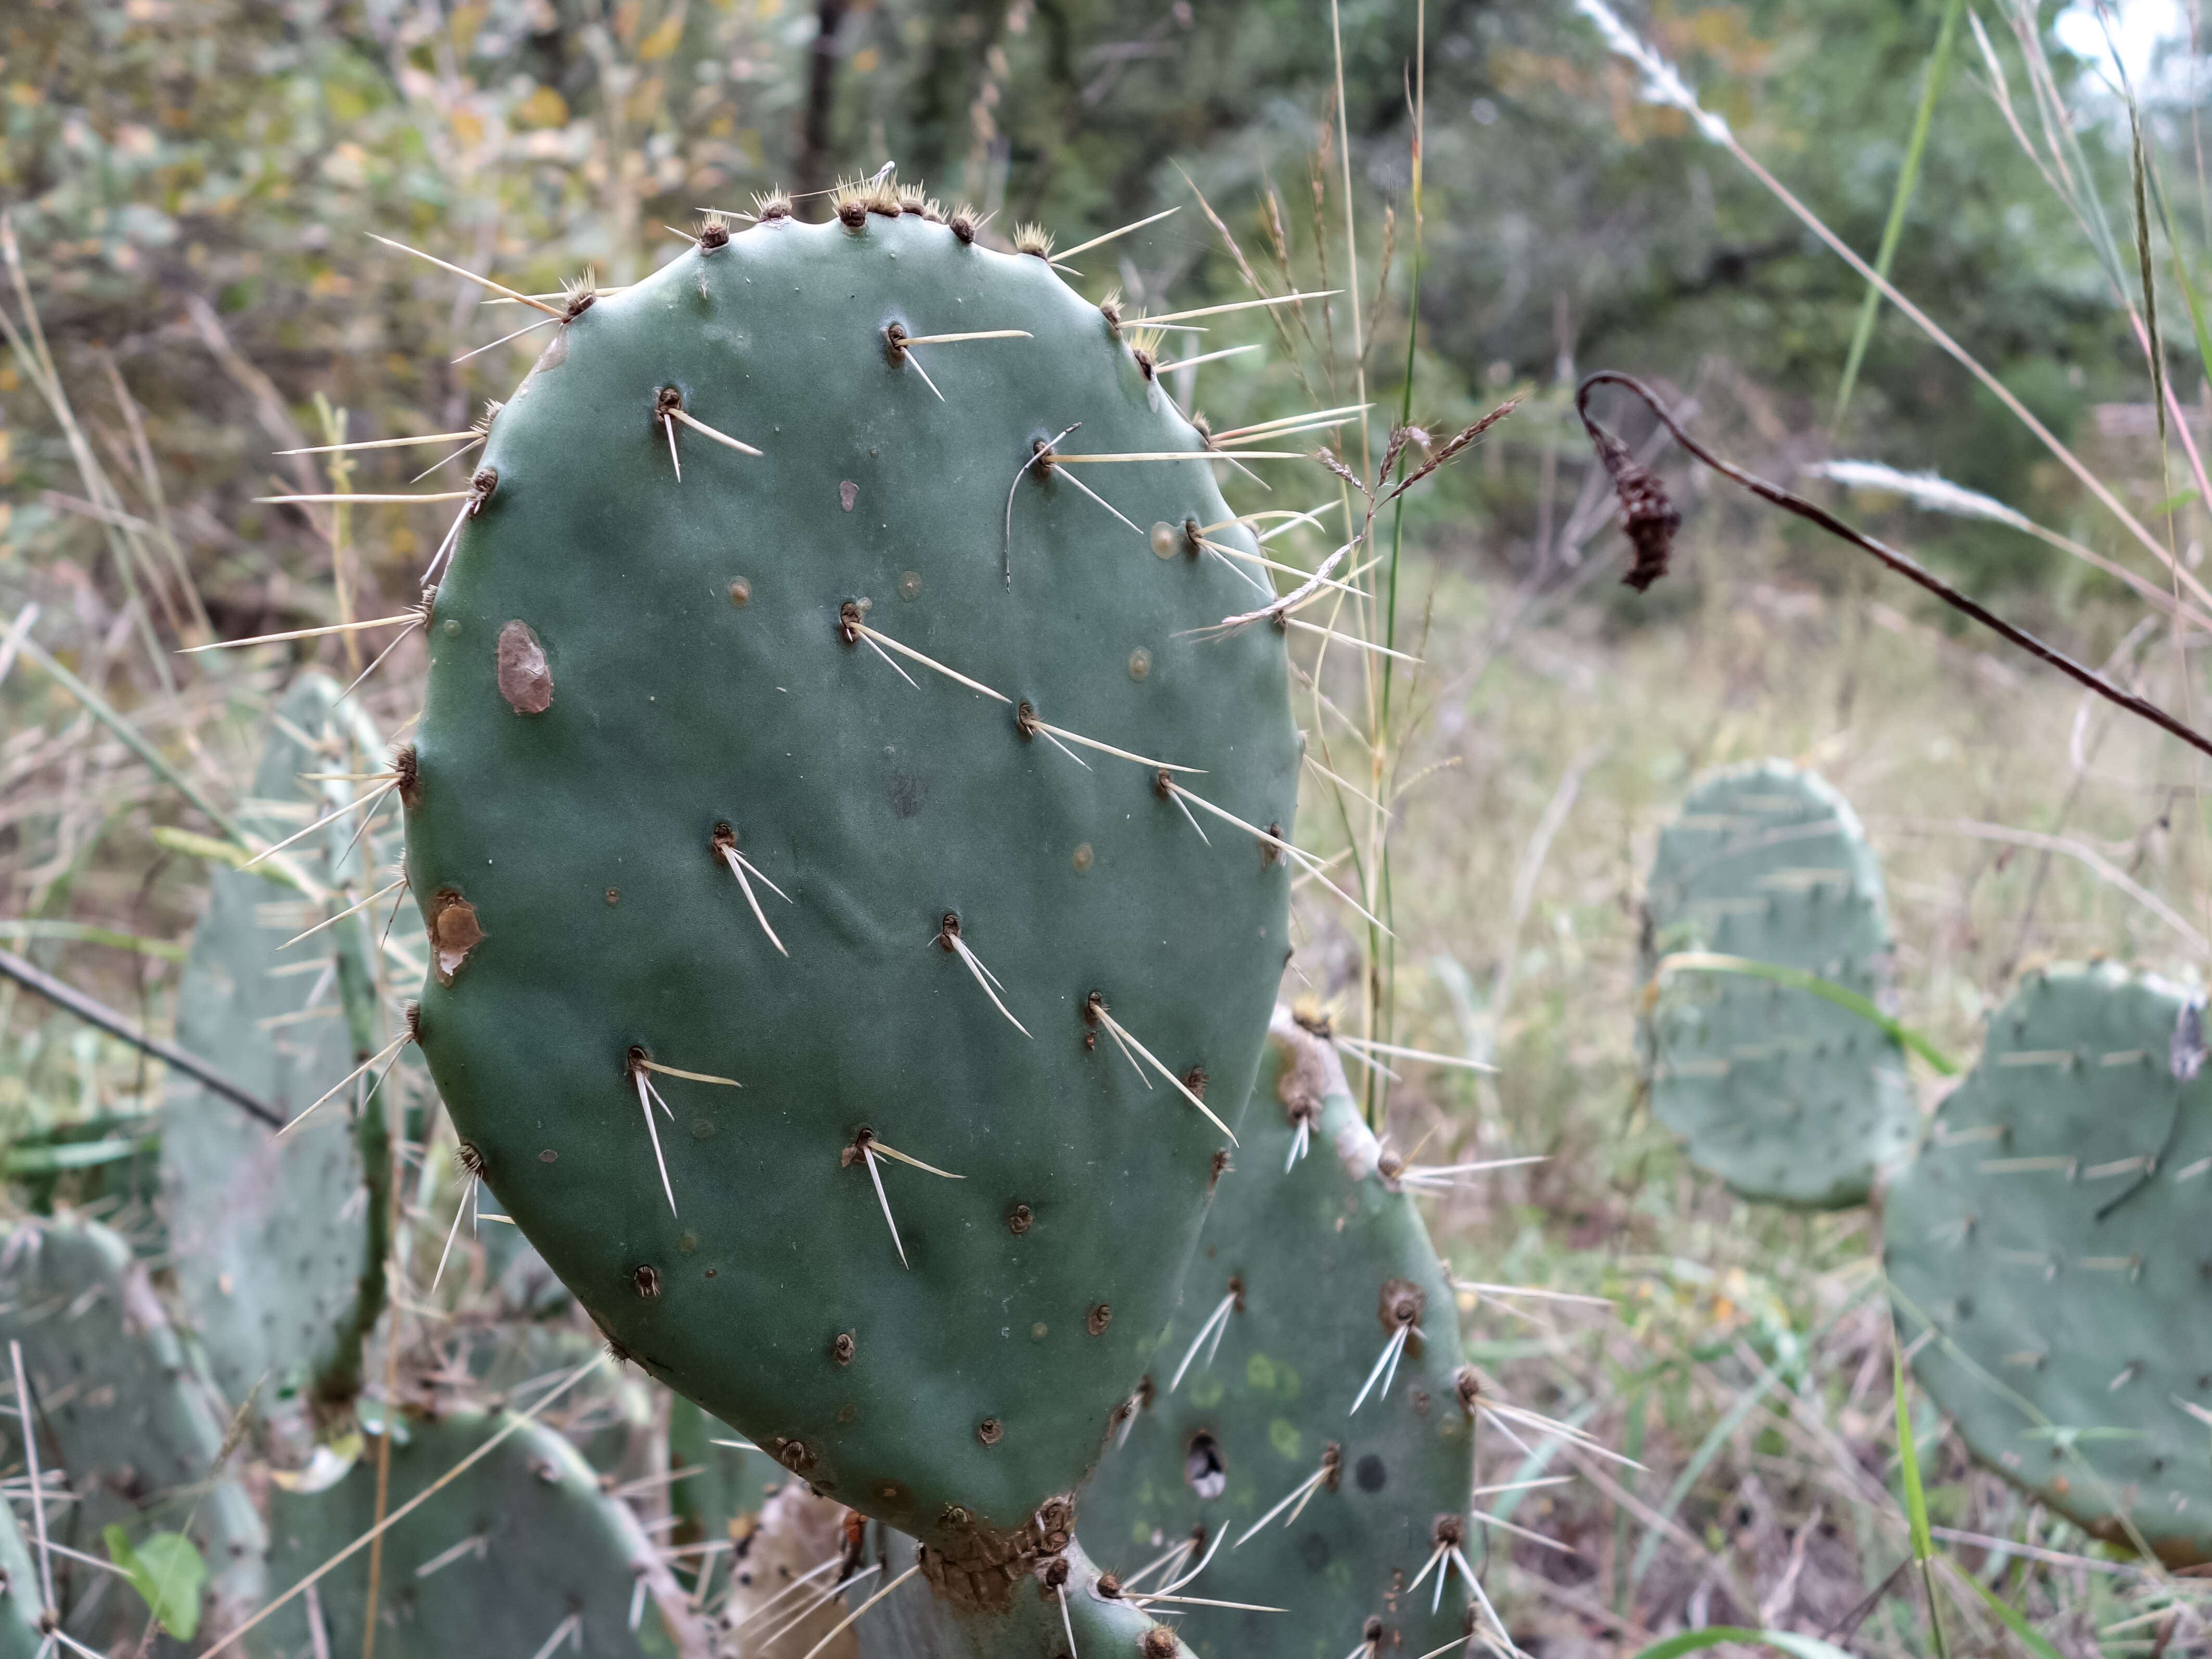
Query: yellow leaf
[
  {"x": 544, "y": 108},
  {"x": 662, "y": 41}
]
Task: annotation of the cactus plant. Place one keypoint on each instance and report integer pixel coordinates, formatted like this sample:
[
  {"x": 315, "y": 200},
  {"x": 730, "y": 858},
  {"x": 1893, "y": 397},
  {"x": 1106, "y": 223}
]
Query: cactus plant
[
  {"x": 735, "y": 769},
  {"x": 122, "y": 1412},
  {"x": 1062, "y": 1605},
  {"x": 719, "y": 1503},
  {"x": 522, "y": 1543},
  {"x": 2048, "y": 1251},
  {"x": 278, "y": 1247},
  {"x": 1783, "y": 1094},
  {"x": 1305, "y": 1270},
  {"x": 20, "y": 1635}
]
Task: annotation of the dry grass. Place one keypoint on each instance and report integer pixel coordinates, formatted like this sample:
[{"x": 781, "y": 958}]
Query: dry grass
[{"x": 1539, "y": 751}]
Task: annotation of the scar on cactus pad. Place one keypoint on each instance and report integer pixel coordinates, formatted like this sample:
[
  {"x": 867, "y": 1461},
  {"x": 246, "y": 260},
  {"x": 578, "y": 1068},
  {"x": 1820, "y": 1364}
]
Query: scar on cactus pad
[
  {"x": 2050, "y": 1248},
  {"x": 1784, "y": 1095},
  {"x": 882, "y": 876}
]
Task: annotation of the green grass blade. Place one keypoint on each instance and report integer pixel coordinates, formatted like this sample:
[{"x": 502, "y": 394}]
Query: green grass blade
[
  {"x": 1916, "y": 1502},
  {"x": 76, "y": 1154},
  {"x": 2143, "y": 265},
  {"x": 2181, "y": 278},
  {"x": 1709, "y": 961},
  {"x": 1713, "y": 1635},
  {"x": 133, "y": 739},
  {"x": 85, "y": 932},
  {"x": 2030, "y": 1637},
  {"x": 1908, "y": 177}
]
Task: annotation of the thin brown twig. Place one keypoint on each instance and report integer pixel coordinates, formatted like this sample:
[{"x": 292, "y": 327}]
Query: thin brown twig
[{"x": 1651, "y": 520}]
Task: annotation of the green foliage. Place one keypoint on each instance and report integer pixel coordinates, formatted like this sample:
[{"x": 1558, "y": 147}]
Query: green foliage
[
  {"x": 2048, "y": 1252},
  {"x": 279, "y": 1243},
  {"x": 125, "y": 1413},
  {"x": 650, "y": 700},
  {"x": 1317, "y": 1257},
  {"x": 1783, "y": 1093},
  {"x": 167, "y": 1571},
  {"x": 520, "y": 1542}
]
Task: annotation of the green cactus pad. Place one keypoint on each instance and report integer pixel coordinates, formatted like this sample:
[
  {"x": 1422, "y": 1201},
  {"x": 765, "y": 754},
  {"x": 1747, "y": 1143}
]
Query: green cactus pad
[
  {"x": 1100, "y": 1625},
  {"x": 522, "y": 1541},
  {"x": 19, "y": 1636},
  {"x": 123, "y": 1413},
  {"x": 1783, "y": 1094},
  {"x": 650, "y": 700},
  {"x": 275, "y": 1263},
  {"x": 2056, "y": 1232},
  {"x": 1317, "y": 1257},
  {"x": 718, "y": 1504}
]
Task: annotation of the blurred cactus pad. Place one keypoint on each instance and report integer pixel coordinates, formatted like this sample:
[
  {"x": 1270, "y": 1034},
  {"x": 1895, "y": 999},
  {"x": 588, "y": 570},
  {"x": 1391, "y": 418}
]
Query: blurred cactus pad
[
  {"x": 1783, "y": 1093},
  {"x": 830, "y": 971},
  {"x": 2048, "y": 1253},
  {"x": 522, "y": 1544}
]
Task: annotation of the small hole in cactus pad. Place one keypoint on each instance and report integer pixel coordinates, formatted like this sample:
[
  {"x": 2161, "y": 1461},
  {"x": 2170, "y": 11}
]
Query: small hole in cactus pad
[
  {"x": 646, "y": 1281},
  {"x": 1100, "y": 1317},
  {"x": 1370, "y": 1474},
  {"x": 1203, "y": 1467},
  {"x": 841, "y": 1348},
  {"x": 990, "y": 1430}
]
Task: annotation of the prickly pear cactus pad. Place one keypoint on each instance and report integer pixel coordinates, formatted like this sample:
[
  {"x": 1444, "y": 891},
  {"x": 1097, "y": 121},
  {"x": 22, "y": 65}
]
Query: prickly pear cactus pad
[
  {"x": 271, "y": 1237},
  {"x": 2056, "y": 1233},
  {"x": 123, "y": 1415},
  {"x": 1784, "y": 1095},
  {"x": 856, "y": 1041},
  {"x": 1316, "y": 1264},
  {"x": 721, "y": 1502},
  {"x": 19, "y": 1636},
  {"x": 522, "y": 1544}
]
